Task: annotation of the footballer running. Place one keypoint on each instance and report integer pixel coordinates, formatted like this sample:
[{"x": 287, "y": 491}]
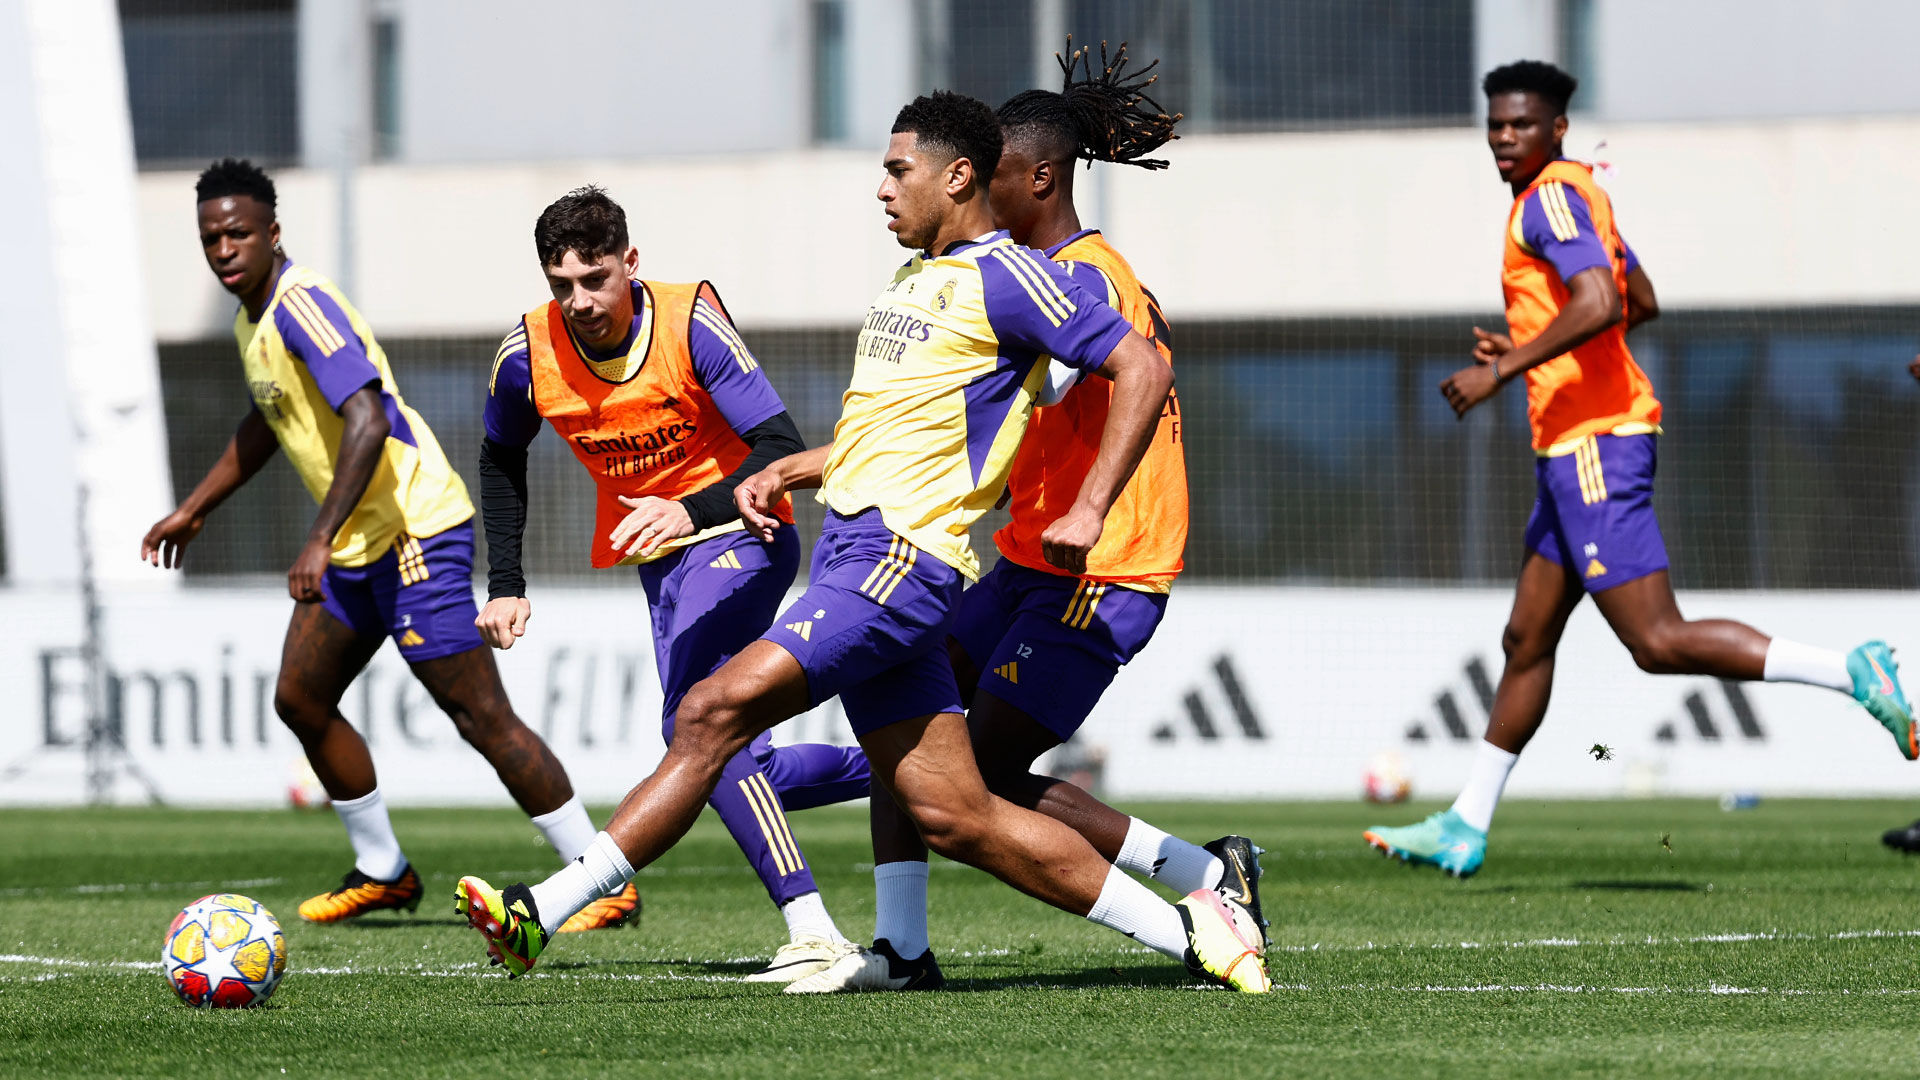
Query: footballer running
[{"x": 1573, "y": 289}]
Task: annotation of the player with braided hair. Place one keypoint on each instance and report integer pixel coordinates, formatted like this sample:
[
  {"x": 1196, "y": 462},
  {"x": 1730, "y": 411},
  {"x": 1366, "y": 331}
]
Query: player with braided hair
[
  {"x": 1107, "y": 117},
  {"x": 1034, "y": 645}
]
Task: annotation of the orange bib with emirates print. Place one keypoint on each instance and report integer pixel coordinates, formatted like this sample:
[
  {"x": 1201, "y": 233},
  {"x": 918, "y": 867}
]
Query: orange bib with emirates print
[
  {"x": 641, "y": 423},
  {"x": 1597, "y": 388}
]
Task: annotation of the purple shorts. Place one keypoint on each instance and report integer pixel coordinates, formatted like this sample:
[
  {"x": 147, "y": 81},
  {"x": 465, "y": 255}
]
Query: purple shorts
[
  {"x": 1050, "y": 645},
  {"x": 1594, "y": 511},
  {"x": 420, "y": 593},
  {"x": 711, "y": 600},
  {"x": 872, "y": 626}
]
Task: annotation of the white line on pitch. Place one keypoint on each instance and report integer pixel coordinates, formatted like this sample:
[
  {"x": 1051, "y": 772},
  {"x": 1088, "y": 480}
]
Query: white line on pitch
[
  {"x": 149, "y": 886},
  {"x": 1578, "y": 943}
]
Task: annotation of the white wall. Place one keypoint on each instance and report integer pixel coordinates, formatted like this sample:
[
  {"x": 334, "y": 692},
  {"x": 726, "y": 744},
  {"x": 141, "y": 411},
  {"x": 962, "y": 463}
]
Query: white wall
[
  {"x": 1779, "y": 213},
  {"x": 493, "y": 81},
  {"x": 1707, "y": 59},
  {"x": 79, "y": 382}
]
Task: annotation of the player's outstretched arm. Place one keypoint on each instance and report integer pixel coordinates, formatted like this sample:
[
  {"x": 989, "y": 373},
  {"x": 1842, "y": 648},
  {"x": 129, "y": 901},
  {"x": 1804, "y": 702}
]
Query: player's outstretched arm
[
  {"x": 253, "y": 443},
  {"x": 1141, "y": 381},
  {"x": 1592, "y": 306},
  {"x": 362, "y": 440},
  {"x": 758, "y": 494}
]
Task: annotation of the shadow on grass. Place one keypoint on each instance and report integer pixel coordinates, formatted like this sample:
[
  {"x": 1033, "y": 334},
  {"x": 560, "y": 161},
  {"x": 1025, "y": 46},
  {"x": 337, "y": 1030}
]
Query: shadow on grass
[
  {"x": 678, "y": 966},
  {"x": 1158, "y": 976}
]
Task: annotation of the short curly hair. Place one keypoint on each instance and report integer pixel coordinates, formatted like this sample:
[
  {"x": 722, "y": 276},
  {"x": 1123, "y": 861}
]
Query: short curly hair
[
  {"x": 1554, "y": 86},
  {"x": 957, "y": 125},
  {"x": 234, "y": 176},
  {"x": 585, "y": 221}
]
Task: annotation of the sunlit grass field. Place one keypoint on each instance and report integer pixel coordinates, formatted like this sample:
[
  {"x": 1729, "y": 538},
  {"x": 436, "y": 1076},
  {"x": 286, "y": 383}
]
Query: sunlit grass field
[{"x": 1621, "y": 938}]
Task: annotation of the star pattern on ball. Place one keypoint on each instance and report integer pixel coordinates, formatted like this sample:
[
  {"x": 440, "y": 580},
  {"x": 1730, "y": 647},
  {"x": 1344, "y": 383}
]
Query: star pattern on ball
[{"x": 217, "y": 965}]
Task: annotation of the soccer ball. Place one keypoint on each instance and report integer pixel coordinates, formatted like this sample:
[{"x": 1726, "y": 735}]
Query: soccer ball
[
  {"x": 304, "y": 791},
  {"x": 1386, "y": 780},
  {"x": 224, "y": 951}
]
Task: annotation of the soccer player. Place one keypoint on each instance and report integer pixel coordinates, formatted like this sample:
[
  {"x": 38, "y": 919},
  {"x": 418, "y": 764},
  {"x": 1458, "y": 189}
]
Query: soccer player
[
  {"x": 947, "y": 363},
  {"x": 1573, "y": 290},
  {"x": 656, "y": 394},
  {"x": 1034, "y": 647},
  {"x": 390, "y": 553}
]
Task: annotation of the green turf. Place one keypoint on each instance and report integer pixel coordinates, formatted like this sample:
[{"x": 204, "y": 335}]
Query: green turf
[{"x": 1775, "y": 941}]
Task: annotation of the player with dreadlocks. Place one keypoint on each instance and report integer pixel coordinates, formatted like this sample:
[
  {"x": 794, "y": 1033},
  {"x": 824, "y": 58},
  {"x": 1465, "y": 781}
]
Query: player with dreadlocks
[{"x": 1035, "y": 645}]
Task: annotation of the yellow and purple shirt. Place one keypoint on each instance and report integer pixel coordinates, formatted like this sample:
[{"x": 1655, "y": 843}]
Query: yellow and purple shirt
[
  {"x": 307, "y": 355},
  {"x": 948, "y": 362}
]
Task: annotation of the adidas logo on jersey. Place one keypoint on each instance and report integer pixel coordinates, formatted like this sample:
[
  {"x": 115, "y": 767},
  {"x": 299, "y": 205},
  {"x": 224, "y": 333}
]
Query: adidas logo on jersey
[
  {"x": 1009, "y": 671},
  {"x": 1595, "y": 569},
  {"x": 804, "y": 628},
  {"x": 728, "y": 560},
  {"x": 411, "y": 638}
]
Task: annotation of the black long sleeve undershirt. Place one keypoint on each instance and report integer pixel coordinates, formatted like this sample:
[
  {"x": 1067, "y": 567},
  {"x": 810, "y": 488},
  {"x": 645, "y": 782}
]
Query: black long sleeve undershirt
[
  {"x": 503, "y": 511},
  {"x": 773, "y": 439},
  {"x": 503, "y": 497}
]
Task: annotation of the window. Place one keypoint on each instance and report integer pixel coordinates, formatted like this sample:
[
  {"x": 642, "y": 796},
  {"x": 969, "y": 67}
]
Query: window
[
  {"x": 1233, "y": 65},
  {"x": 211, "y": 78},
  {"x": 386, "y": 88},
  {"x": 829, "y": 71}
]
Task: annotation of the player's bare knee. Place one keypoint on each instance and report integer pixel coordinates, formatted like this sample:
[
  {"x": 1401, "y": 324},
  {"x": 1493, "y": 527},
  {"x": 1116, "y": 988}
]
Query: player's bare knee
[
  {"x": 299, "y": 711},
  {"x": 1524, "y": 646},
  {"x": 708, "y": 720},
  {"x": 1657, "y": 653},
  {"x": 948, "y": 828},
  {"x": 481, "y": 729}
]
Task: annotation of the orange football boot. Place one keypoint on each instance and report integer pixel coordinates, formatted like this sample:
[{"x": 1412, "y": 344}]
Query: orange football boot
[
  {"x": 607, "y": 912},
  {"x": 359, "y": 894}
]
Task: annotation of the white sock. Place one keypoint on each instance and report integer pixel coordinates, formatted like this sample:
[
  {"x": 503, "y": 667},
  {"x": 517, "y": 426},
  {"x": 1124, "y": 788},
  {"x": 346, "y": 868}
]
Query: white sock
[
  {"x": 900, "y": 907},
  {"x": 1485, "y": 781},
  {"x": 1173, "y": 862},
  {"x": 601, "y": 869},
  {"x": 1138, "y": 912},
  {"x": 808, "y": 915},
  {"x": 376, "y": 851},
  {"x": 1790, "y": 661},
  {"x": 568, "y": 829}
]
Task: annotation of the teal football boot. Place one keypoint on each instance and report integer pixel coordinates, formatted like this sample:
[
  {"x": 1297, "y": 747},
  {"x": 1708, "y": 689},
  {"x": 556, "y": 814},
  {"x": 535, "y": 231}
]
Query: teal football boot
[
  {"x": 1876, "y": 685},
  {"x": 1443, "y": 840}
]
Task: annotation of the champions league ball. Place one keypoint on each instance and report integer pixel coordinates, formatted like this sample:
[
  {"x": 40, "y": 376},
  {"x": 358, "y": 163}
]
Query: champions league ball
[
  {"x": 224, "y": 951},
  {"x": 1386, "y": 780}
]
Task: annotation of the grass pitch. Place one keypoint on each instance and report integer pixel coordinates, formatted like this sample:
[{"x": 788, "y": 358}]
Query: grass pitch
[{"x": 1777, "y": 941}]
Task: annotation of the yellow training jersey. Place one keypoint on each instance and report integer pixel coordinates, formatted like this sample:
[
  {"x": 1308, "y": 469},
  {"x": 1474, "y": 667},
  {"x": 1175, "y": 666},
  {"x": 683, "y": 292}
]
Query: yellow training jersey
[
  {"x": 948, "y": 362},
  {"x": 306, "y": 356}
]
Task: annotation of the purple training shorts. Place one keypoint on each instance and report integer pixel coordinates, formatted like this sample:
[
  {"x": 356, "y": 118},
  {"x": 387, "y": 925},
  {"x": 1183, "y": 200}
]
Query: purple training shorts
[
  {"x": 420, "y": 593},
  {"x": 1594, "y": 511},
  {"x": 1050, "y": 645},
  {"x": 872, "y": 626}
]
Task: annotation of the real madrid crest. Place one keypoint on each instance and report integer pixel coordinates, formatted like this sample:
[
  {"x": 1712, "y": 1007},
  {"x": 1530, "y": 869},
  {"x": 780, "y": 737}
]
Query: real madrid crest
[{"x": 944, "y": 298}]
